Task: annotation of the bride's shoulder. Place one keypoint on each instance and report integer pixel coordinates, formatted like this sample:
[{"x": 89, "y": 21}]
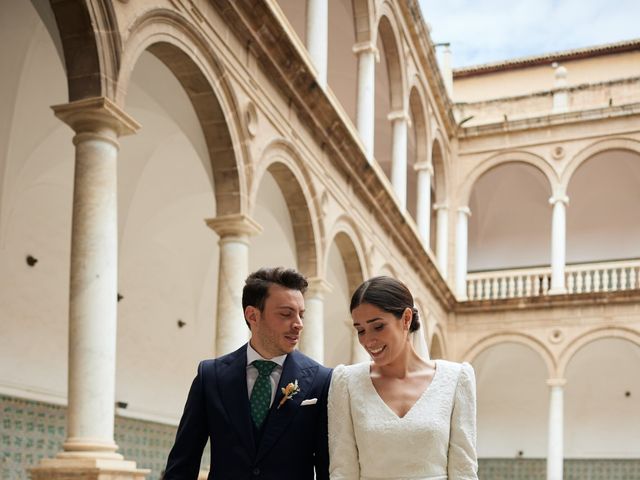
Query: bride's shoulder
[
  {"x": 454, "y": 368},
  {"x": 347, "y": 372}
]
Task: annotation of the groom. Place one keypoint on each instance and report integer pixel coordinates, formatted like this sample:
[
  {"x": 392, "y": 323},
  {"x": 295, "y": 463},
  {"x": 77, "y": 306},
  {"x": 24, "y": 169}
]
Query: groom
[{"x": 264, "y": 406}]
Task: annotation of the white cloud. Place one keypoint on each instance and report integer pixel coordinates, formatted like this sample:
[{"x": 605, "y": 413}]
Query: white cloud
[{"x": 493, "y": 30}]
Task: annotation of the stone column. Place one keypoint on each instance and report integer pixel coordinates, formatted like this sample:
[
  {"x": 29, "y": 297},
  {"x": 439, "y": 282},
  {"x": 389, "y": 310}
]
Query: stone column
[
  {"x": 317, "y": 31},
  {"x": 365, "y": 107},
  {"x": 462, "y": 232},
  {"x": 442, "y": 240},
  {"x": 312, "y": 337},
  {"x": 556, "y": 426},
  {"x": 89, "y": 450},
  {"x": 423, "y": 207},
  {"x": 400, "y": 123},
  {"x": 558, "y": 244},
  {"x": 233, "y": 268}
]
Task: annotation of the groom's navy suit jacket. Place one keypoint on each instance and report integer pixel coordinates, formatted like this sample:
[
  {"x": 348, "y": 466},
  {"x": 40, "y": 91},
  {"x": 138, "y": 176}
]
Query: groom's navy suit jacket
[{"x": 293, "y": 439}]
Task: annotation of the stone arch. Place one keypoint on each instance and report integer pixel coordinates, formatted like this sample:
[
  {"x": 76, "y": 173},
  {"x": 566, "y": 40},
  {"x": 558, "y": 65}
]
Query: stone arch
[
  {"x": 91, "y": 45},
  {"x": 513, "y": 337},
  {"x": 387, "y": 30},
  {"x": 351, "y": 247},
  {"x": 624, "y": 333},
  {"x": 508, "y": 157},
  {"x": 417, "y": 107},
  {"x": 440, "y": 170},
  {"x": 387, "y": 269},
  {"x": 363, "y": 19},
  {"x": 593, "y": 149},
  {"x": 283, "y": 162},
  {"x": 186, "y": 54},
  {"x": 437, "y": 344}
]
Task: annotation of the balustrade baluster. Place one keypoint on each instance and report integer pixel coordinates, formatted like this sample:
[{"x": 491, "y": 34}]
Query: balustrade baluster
[
  {"x": 605, "y": 281},
  {"x": 545, "y": 284},
  {"x": 494, "y": 288},
  {"x": 535, "y": 288},
  {"x": 471, "y": 289},
  {"x": 578, "y": 282},
  {"x": 623, "y": 278},
  {"x": 480, "y": 293},
  {"x": 633, "y": 276},
  {"x": 503, "y": 287},
  {"x": 588, "y": 282},
  {"x": 519, "y": 286},
  {"x": 596, "y": 281},
  {"x": 512, "y": 287},
  {"x": 614, "y": 280},
  {"x": 571, "y": 281},
  {"x": 527, "y": 286}
]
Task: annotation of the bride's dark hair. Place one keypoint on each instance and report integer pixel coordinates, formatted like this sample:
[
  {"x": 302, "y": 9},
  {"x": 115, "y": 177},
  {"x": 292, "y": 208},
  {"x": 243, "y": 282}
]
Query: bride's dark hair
[{"x": 387, "y": 294}]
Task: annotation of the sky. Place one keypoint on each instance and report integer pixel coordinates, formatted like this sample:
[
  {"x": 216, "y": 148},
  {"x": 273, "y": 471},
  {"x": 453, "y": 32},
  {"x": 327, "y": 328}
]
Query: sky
[{"x": 483, "y": 31}]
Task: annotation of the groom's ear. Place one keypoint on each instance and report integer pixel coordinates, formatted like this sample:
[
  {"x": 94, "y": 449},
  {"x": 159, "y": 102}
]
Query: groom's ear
[{"x": 251, "y": 314}]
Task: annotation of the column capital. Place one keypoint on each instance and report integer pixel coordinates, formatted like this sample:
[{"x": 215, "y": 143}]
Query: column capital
[
  {"x": 366, "y": 46},
  {"x": 424, "y": 167},
  {"x": 234, "y": 225},
  {"x": 465, "y": 210},
  {"x": 559, "y": 198},
  {"x": 556, "y": 382},
  {"x": 93, "y": 114},
  {"x": 318, "y": 286},
  {"x": 440, "y": 206},
  {"x": 398, "y": 115}
]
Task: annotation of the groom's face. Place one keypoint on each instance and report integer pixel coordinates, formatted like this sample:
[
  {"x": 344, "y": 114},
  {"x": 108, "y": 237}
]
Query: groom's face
[{"x": 276, "y": 329}]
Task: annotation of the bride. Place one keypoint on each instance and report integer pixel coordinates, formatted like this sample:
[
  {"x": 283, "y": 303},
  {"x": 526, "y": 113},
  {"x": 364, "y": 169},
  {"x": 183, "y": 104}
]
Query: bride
[{"x": 399, "y": 416}]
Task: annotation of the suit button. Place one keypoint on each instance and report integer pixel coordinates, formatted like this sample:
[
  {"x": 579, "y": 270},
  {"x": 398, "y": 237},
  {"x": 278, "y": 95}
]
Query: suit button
[{"x": 256, "y": 471}]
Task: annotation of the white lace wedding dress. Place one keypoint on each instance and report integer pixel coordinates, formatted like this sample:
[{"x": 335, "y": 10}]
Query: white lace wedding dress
[{"x": 435, "y": 440}]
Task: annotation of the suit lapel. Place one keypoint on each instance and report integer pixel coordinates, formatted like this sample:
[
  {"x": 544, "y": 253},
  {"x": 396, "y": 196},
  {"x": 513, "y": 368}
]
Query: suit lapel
[
  {"x": 279, "y": 418},
  {"x": 232, "y": 389}
]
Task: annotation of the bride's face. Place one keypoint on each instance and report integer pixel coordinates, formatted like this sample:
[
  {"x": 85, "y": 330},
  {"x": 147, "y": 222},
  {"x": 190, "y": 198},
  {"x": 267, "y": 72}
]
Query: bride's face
[{"x": 382, "y": 334}]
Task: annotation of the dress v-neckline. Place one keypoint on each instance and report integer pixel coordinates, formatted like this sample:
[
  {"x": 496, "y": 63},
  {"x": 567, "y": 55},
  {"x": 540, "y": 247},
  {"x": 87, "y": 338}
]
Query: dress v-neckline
[{"x": 419, "y": 399}]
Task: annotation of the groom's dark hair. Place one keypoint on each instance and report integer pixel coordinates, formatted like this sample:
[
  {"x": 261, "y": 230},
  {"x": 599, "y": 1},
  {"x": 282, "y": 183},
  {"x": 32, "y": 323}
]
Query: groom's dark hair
[{"x": 256, "y": 286}]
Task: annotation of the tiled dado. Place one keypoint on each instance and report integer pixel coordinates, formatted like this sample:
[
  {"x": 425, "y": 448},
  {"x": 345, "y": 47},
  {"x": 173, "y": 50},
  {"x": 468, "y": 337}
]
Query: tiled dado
[
  {"x": 574, "y": 469},
  {"x": 30, "y": 431}
]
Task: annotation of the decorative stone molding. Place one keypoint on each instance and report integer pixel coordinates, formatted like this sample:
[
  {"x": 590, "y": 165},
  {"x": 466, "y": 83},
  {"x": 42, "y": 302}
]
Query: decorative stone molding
[
  {"x": 424, "y": 167},
  {"x": 93, "y": 114},
  {"x": 251, "y": 118},
  {"x": 558, "y": 153},
  {"x": 559, "y": 198},
  {"x": 234, "y": 225}
]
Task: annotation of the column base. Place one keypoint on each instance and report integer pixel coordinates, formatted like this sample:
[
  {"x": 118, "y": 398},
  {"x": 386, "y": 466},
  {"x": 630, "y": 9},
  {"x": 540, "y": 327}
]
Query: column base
[{"x": 79, "y": 468}]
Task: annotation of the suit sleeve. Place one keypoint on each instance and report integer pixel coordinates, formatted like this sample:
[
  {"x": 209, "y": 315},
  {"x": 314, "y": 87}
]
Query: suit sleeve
[
  {"x": 343, "y": 452},
  {"x": 322, "y": 442},
  {"x": 463, "y": 460},
  {"x": 191, "y": 438}
]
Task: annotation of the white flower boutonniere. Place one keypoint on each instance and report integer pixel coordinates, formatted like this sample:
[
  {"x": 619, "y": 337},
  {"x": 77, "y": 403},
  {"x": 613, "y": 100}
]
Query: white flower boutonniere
[{"x": 289, "y": 391}]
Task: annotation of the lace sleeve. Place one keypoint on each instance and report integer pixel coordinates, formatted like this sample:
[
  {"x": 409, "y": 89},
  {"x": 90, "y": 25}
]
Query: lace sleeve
[
  {"x": 343, "y": 452},
  {"x": 463, "y": 460}
]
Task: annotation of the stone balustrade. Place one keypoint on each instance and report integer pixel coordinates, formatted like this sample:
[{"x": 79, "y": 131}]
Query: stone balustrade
[{"x": 533, "y": 282}]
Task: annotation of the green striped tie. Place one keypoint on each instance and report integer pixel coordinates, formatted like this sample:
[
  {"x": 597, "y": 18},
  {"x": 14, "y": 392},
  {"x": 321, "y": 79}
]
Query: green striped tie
[{"x": 260, "y": 399}]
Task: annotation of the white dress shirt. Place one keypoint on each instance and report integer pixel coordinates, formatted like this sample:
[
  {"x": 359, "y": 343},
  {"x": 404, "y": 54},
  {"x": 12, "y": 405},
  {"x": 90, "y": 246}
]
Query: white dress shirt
[{"x": 252, "y": 372}]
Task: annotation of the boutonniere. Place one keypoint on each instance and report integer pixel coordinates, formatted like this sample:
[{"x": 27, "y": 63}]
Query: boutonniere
[{"x": 289, "y": 391}]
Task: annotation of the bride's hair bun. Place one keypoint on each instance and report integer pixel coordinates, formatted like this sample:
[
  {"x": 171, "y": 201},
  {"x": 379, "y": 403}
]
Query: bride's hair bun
[{"x": 415, "y": 320}]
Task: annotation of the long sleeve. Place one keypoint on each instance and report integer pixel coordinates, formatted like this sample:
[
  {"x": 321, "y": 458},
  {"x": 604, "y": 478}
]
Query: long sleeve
[
  {"x": 463, "y": 460},
  {"x": 343, "y": 452},
  {"x": 191, "y": 438}
]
